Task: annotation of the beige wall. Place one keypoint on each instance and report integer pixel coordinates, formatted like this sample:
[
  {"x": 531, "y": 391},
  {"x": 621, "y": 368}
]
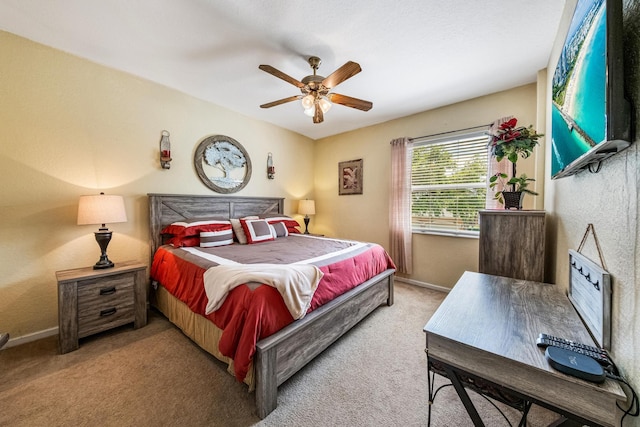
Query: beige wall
[
  {"x": 366, "y": 217},
  {"x": 71, "y": 127},
  {"x": 609, "y": 201}
]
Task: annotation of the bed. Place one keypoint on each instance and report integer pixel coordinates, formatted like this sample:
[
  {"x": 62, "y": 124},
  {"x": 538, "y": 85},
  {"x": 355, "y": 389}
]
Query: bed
[{"x": 280, "y": 355}]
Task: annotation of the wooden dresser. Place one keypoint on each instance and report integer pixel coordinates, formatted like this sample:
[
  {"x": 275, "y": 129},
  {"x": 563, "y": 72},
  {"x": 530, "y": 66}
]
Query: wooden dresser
[
  {"x": 512, "y": 244},
  {"x": 92, "y": 301}
]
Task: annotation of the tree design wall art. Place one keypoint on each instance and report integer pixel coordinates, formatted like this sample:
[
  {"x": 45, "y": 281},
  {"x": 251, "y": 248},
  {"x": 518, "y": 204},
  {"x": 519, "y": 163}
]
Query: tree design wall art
[{"x": 222, "y": 164}]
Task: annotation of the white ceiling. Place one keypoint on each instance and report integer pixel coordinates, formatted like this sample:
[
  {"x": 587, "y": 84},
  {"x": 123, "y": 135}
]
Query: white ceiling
[{"x": 415, "y": 54}]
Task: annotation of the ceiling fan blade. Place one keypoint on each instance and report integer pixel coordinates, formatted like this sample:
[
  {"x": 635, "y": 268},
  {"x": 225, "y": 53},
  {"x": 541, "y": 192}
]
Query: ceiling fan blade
[
  {"x": 348, "y": 101},
  {"x": 348, "y": 70},
  {"x": 279, "y": 74},
  {"x": 281, "y": 101},
  {"x": 318, "y": 116}
]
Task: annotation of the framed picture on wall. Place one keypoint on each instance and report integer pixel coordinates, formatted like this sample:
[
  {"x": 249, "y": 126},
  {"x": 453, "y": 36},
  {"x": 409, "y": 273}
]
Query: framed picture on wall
[{"x": 350, "y": 177}]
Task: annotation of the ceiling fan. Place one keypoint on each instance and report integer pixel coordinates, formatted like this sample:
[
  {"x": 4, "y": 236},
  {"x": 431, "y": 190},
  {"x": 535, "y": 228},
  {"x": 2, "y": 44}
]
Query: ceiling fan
[{"x": 316, "y": 98}]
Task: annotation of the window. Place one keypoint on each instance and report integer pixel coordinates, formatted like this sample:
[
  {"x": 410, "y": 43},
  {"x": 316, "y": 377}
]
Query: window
[{"x": 449, "y": 184}]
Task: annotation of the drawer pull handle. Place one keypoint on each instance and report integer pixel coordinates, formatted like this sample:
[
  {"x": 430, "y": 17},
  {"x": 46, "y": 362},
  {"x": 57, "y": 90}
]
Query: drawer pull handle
[
  {"x": 108, "y": 312},
  {"x": 108, "y": 291}
]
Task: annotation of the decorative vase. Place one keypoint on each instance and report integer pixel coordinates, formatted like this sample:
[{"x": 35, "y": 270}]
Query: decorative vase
[{"x": 513, "y": 199}]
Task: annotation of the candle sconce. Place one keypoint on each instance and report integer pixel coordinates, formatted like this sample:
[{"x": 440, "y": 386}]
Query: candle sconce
[
  {"x": 165, "y": 150},
  {"x": 271, "y": 170}
]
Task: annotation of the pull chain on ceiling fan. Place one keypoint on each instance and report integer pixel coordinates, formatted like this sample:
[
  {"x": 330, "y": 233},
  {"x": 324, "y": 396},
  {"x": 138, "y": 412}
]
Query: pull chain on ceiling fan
[{"x": 316, "y": 98}]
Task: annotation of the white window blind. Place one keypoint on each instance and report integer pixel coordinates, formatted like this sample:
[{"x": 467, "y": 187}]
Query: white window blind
[{"x": 448, "y": 183}]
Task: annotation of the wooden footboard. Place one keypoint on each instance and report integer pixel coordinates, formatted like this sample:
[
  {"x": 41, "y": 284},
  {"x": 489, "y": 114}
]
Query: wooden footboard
[{"x": 284, "y": 353}]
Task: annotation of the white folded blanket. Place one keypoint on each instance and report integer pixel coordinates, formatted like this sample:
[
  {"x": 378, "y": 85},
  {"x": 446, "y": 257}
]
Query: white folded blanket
[{"x": 296, "y": 283}]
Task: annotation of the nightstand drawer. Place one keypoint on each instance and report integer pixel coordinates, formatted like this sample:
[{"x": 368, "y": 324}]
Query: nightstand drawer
[
  {"x": 95, "y": 293},
  {"x": 101, "y": 319},
  {"x": 105, "y": 304}
]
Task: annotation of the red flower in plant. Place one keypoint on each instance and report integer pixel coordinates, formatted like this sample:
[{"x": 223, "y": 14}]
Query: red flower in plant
[{"x": 510, "y": 124}]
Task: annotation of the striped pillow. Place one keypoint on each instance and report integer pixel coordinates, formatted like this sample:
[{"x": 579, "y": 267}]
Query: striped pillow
[{"x": 210, "y": 239}]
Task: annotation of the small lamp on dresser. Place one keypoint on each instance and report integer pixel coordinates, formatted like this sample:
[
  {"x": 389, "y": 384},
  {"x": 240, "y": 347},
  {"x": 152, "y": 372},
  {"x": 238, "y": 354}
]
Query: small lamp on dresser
[
  {"x": 102, "y": 209},
  {"x": 306, "y": 207}
]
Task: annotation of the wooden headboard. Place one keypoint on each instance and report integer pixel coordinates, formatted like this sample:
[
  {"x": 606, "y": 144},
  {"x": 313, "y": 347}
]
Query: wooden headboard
[{"x": 167, "y": 208}]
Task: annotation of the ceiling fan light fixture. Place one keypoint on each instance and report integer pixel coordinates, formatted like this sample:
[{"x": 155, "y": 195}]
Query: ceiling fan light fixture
[
  {"x": 315, "y": 97},
  {"x": 325, "y": 104},
  {"x": 308, "y": 101}
]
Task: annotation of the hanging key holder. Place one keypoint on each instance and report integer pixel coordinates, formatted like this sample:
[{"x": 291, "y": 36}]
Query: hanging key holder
[{"x": 591, "y": 229}]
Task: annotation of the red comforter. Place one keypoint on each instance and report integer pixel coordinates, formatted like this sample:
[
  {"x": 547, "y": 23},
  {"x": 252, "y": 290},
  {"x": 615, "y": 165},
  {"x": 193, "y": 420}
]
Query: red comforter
[{"x": 251, "y": 313}]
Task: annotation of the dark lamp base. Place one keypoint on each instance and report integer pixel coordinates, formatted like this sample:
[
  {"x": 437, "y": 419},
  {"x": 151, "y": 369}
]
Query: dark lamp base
[
  {"x": 103, "y": 264},
  {"x": 306, "y": 225},
  {"x": 103, "y": 237}
]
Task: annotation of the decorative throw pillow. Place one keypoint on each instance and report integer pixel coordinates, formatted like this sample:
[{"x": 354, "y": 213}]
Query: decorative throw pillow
[
  {"x": 256, "y": 230},
  {"x": 292, "y": 224},
  {"x": 210, "y": 239},
  {"x": 278, "y": 229},
  {"x": 238, "y": 230}
]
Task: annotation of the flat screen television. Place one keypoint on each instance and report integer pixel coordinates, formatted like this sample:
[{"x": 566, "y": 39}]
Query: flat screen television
[{"x": 590, "y": 117}]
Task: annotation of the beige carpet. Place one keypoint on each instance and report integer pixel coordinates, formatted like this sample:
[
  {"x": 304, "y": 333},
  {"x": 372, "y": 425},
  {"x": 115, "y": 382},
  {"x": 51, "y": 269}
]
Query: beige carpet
[{"x": 154, "y": 376}]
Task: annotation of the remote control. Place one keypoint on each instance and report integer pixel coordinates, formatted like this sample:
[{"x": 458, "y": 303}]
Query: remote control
[{"x": 545, "y": 340}]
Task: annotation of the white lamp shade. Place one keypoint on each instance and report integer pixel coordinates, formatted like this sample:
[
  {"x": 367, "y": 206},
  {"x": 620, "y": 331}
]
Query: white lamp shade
[
  {"x": 307, "y": 207},
  {"x": 308, "y": 101},
  {"x": 101, "y": 209},
  {"x": 325, "y": 105}
]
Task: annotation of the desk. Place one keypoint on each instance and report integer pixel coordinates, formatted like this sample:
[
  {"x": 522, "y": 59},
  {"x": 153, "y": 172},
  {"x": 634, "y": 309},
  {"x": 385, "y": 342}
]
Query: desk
[{"x": 487, "y": 328}]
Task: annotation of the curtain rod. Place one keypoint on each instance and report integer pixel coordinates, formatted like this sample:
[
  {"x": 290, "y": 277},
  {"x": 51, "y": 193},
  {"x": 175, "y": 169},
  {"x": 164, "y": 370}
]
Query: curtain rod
[{"x": 451, "y": 131}]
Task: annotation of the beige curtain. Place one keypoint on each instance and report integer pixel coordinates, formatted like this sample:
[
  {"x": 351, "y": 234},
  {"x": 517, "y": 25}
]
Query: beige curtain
[
  {"x": 400, "y": 205},
  {"x": 494, "y": 167}
]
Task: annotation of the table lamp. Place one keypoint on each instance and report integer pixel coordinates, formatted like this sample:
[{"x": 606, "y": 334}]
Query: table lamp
[
  {"x": 101, "y": 209},
  {"x": 306, "y": 207}
]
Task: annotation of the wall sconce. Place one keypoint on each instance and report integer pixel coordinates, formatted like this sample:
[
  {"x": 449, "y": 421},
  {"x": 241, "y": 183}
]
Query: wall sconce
[
  {"x": 271, "y": 170},
  {"x": 165, "y": 150},
  {"x": 101, "y": 209}
]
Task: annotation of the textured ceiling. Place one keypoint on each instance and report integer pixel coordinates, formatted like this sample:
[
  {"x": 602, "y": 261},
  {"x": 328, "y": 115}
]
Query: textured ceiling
[{"x": 415, "y": 54}]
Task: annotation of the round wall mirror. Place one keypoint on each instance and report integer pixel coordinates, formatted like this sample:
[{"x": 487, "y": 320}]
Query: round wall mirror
[{"x": 222, "y": 164}]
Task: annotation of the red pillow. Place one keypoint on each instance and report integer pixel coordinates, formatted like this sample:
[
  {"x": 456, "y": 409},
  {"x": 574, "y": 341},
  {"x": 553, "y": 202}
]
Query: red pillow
[
  {"x": 256, "y": 230},
  {"x": 194, "y": 226},
  {"x": 184, "y": 241}
]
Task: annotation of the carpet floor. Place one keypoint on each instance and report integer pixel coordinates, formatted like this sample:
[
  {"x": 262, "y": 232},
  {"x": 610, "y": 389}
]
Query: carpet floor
[{"x": 375, "y": 375}]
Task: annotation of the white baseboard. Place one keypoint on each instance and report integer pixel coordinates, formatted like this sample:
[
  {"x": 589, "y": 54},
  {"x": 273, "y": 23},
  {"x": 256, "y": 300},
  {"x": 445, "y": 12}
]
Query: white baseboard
[
  {"x": 32, "y": 337},
  {"x": 54, "y": 331},
  {"x": 422, "y": 284}
]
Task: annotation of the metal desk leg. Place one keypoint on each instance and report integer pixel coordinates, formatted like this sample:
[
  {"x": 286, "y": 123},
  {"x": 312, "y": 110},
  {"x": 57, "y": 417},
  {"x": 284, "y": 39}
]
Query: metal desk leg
[
  {"x": 464, "y": 397},
  {"x": 523, "y": 420}
]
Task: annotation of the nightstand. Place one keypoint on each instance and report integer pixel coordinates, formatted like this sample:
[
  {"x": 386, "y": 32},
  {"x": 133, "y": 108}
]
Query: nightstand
[{"x": 92, "y": 301}]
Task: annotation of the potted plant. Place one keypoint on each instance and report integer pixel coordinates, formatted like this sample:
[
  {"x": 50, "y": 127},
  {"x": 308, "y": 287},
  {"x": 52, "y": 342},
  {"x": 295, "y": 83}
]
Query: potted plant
[
  {"x": 519, "y": 184},
  {"x": 512, "y": 142}
]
